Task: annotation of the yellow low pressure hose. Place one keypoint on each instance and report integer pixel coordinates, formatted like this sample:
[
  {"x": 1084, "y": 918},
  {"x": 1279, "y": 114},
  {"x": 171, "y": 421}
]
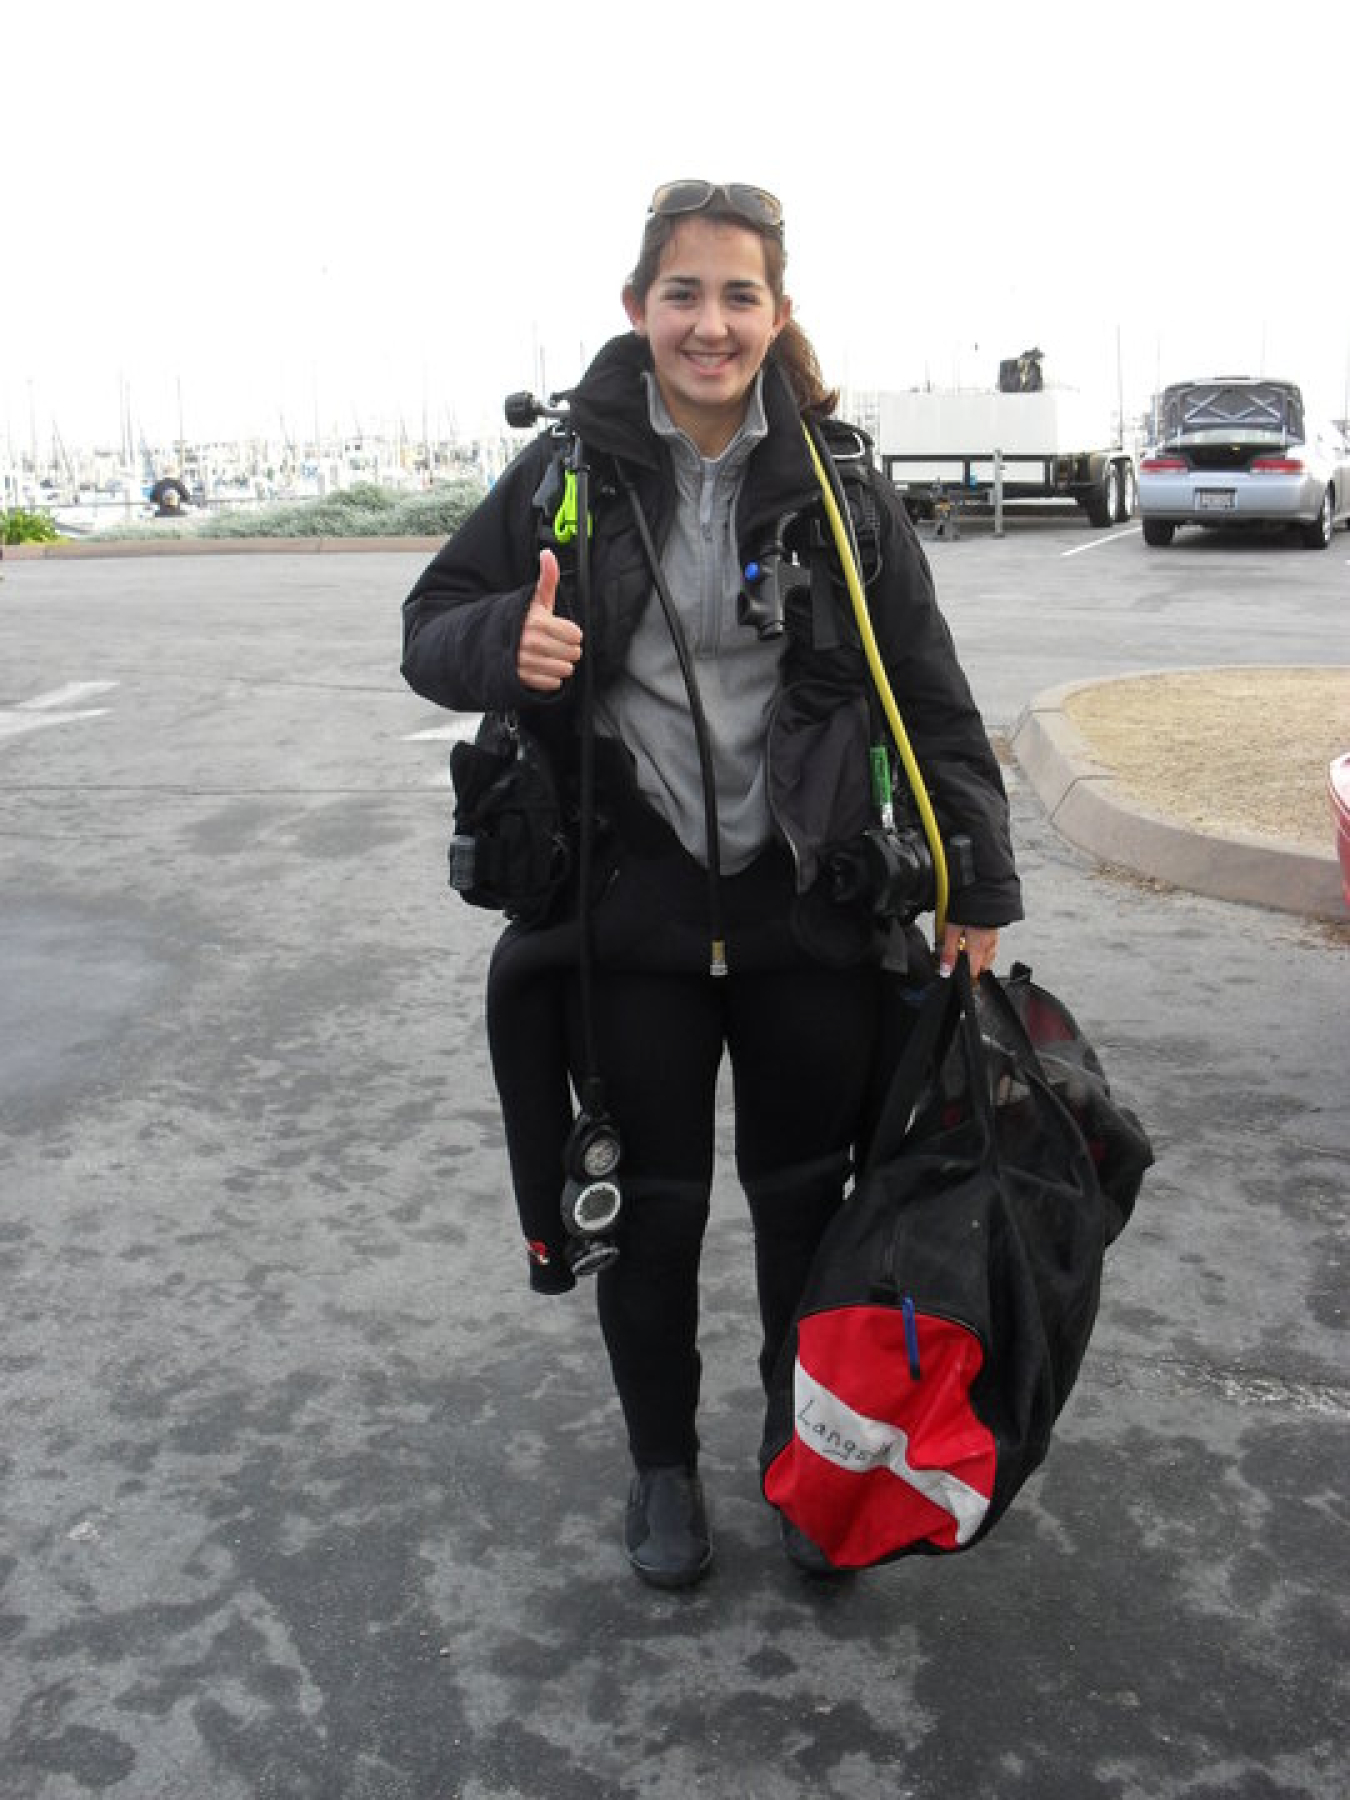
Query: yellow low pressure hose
[{"x": 885, "y": 691}]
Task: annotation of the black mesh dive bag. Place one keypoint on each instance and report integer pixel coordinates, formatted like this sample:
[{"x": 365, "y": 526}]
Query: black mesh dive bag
[{"x": 951, "y": 1301}]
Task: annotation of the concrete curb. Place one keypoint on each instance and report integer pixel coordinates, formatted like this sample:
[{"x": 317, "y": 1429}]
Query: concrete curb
[
  {"x": 76, "y": 549},
  {"x": 1088, "y": 805}
]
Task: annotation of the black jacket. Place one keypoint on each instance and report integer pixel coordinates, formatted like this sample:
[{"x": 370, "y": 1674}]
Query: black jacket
[
  {"x": 463, "y": 619},
  {"x": 462, "y": 625}
]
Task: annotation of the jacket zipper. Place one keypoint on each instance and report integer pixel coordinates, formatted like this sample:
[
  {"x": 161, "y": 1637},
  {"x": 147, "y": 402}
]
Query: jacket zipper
[{"x": 707, "y": 565}]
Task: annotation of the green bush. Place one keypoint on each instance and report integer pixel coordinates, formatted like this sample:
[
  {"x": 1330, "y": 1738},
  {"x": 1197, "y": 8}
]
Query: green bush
[
  {"x": 20, "y": 526},
  {"x": 438, "y": 511},
  {"x": 361, "y": 511},
  {"x": 290, "y": 518},
  {"x": 363, "y": 496}
]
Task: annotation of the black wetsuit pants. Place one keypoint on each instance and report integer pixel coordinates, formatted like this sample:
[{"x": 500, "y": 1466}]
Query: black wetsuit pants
[{"x": 800, "y": 1043}]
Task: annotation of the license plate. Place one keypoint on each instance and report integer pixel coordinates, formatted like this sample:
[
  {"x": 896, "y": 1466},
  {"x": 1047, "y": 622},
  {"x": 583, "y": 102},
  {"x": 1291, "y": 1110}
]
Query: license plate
[{"x": 1215, "y": 499}]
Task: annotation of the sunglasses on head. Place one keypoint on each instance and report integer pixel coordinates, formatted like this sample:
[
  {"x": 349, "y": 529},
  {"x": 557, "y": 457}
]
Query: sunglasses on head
[{"x": 754, "y": 204}]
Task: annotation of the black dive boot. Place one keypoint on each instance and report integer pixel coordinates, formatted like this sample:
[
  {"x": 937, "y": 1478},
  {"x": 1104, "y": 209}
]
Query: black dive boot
[{"x": 666, "y": 1530}]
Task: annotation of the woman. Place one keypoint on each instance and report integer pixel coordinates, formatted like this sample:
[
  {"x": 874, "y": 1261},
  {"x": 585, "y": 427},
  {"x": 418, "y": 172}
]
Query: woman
[{"x": 694, "y": 419}]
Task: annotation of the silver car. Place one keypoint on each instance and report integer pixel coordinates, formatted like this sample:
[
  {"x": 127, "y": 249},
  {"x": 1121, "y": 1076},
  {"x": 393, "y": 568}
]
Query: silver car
[{"x": 1238, "y": 451}]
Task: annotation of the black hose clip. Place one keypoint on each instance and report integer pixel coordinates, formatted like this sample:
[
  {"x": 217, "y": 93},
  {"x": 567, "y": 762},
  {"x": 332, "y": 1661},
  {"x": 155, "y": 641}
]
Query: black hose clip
[{"x": 762, "y": 602}]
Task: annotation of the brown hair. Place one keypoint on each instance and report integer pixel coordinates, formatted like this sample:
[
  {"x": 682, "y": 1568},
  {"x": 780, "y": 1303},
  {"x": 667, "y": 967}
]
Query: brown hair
[{"x": 792, "y": 349}]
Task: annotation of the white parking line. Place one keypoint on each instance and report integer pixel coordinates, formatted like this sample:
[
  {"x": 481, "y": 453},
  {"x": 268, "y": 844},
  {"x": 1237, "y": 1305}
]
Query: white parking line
[
  {"x": 465, "y": 726},
  {"x": 65, "y": 696},
  {"x": 1107, "y": 537},
  {"x": 52, "y": 708}
]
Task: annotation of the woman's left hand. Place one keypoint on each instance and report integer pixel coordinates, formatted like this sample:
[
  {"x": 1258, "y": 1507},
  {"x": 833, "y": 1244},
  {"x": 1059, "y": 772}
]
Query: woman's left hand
[{"x": 980, "y": 943}]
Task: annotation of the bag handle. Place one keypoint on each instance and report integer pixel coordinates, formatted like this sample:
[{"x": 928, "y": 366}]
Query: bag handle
[
  {"x": 979, "y": 1077},
  {"x": 949, "y": 1008},
  {"x": 925, "y": 1050}
]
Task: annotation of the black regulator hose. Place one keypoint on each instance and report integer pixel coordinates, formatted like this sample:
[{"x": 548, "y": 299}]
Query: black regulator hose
[
  {"x": 717, "y": 964},
  {"x": 592, "y": 1097}
]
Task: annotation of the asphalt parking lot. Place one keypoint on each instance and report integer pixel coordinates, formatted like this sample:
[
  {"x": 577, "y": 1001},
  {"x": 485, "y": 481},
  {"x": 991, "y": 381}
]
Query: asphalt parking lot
[{"x": 307, "y": 1498}]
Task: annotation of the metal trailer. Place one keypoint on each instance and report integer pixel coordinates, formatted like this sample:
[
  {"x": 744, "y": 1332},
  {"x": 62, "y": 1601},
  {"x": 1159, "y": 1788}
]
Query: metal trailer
[{"x": 965, "y": 448}]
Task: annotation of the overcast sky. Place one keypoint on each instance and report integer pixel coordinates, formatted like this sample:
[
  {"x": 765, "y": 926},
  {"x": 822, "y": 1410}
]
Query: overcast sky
[{"x": 287, "y": 211}]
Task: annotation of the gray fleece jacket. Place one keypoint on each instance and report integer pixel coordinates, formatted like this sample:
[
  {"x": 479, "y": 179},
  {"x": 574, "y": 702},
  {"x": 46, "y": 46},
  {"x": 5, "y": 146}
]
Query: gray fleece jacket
[{"x": 647, "y": 707}]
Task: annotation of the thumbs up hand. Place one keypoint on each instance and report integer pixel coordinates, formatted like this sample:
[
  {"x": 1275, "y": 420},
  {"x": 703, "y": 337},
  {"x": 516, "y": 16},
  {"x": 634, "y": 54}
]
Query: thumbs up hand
[{"x": 550, "y": 647}]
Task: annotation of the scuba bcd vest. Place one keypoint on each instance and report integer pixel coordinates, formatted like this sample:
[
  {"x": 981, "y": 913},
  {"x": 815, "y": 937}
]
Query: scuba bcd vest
[{"x": 514, "y": 843}]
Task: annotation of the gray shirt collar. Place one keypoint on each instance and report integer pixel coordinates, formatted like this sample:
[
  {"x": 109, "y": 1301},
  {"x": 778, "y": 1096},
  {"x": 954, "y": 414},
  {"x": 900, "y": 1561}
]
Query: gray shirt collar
[{"x": 753, "y": 427}]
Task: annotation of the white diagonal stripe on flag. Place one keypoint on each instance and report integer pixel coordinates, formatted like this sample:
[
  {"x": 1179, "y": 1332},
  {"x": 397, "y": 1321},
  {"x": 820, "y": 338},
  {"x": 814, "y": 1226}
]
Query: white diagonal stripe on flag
[{"x": 851, "y": 1441}]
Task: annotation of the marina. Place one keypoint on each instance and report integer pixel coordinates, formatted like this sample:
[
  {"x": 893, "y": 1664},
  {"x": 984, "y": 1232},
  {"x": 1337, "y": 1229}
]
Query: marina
[{"x": 86, "y": 490}]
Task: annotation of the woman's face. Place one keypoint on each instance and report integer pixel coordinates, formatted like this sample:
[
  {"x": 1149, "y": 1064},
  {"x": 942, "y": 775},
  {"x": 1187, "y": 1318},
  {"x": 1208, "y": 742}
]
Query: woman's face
[{"x": 710, "y": 317}]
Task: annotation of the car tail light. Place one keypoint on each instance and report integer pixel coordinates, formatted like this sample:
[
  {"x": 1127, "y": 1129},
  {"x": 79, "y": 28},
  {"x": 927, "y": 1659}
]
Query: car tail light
[
  {"x": 1276, "y": 465},
  {"x": 1162, "y": 465}
]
